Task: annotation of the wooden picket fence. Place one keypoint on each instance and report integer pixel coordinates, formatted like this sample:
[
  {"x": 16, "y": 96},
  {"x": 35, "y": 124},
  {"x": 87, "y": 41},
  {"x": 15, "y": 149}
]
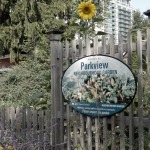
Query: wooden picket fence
[
  {"x": 66, "y": 129},
  {"x": 130, "y": 130},
  {"x": 24, "y": 128}
]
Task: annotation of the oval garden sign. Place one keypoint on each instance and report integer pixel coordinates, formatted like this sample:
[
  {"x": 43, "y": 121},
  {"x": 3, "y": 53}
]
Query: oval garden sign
[{"x": 98, "y": 86}]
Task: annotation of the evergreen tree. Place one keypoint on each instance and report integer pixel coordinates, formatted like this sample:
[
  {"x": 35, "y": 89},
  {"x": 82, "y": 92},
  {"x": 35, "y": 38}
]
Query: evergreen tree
[
  {"x": 23, "y": 23},
  {"x": 139, "y": 23}
]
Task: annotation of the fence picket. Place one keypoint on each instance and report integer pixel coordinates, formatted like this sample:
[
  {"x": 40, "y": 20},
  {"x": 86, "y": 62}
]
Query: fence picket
[
  {"x": 28, "y": 119},
  {"x": 12, "y": 118},
  {"x": 80, "y": 47},
  {"x": 89, "y": 133},
  {"x": 18, "y": 123},
  {"x": 113, "y": 133},
  {"x": 3, "y": 117},
  {"x": 103, "y": 45},
  {"x": 140, "y": 91},
  {"x": 122, "y": 120},
  {"x": 68, "y": 129},
  {"x": 67, "y": 60},
  {"x": 95, "y": 45},
  {"x": 113, "y": 119},
  {"x": 105, "y": 133},
  {"x": 112, "y": 48},
  {"x": 35, "y": 124},
  {"x": 7, "y": 118},
  {"x": 81, "y": 128},
  {"x": 88, "y": 49},
  {"x": 97, "y": 123},
  {"x": 41, "y": 125},
  {"x": 75, "y": 130},
  {"x": 131, "y": 125},
  {"x": 105, "y": 127},
  {"x": 148, "y": 71},
  {"x": 73, "y": 48},
  {"x": 97, "y": 133}
]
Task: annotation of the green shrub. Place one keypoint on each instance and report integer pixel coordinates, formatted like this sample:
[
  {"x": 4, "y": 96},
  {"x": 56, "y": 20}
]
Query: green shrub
[{"x": 27, "y": 84}]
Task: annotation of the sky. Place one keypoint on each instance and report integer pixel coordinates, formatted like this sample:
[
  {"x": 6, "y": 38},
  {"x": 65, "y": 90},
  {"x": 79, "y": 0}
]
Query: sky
[{"x": 142, "y": 5}]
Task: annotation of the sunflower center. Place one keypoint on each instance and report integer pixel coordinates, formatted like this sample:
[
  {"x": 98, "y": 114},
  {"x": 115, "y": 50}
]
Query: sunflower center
[{"x": 86, "y": 10}]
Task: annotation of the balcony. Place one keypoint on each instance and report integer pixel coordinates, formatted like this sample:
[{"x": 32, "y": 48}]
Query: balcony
[
  {"x": 124, "y": 18},
  {"x": 124, "y": 26},
  {"x": 123, "y": 30},
  {"x": 124, "y": 22}
]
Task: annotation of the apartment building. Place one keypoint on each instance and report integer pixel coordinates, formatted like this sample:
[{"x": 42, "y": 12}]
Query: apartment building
[{"x": 119, "y": 19}]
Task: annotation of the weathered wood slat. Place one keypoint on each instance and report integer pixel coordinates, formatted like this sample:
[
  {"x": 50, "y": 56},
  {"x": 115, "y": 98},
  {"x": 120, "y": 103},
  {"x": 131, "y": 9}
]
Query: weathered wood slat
[
  {"x": 89, "y": 133},
  {"x": 105, "y": 127},
  {"x": 88, "y": 49},
  {"x": 103, "y": 45},
  {"x": 75, "y": 141},
  {"x": 113, "y": 118},
  {"x": 105, "y": 133},
  {"x": 80, "y": 48},
  {"x": 12, "y": 118},
  {"x": 56, "y": 74},
  {"x": 35, "y": 124},
  {"x": 7, "y": 118},
  {"x": 41, "y": 125},
  {"x": 97, "y": 122},
  {"x": 131, "y": 125},
  {"x": 23, "y": 120},
  {"x": 18, "y": 123},
  {"x": 3, "y": 117},
  {"x": 29, "y": 123},
  {"x": 140, "y": 91},
  {"x": 81, "y": 128},
  {"x": 67, "y": 56},
  {"x": 73, "y": 48},
  {"x": 122, "y": 121},
  {"x": 2, "y": 122},
  {"x": 88, "y": 122},
  {"x": 97, "y": 134},
  {"x": 61, "y": 99},
  {"x": 75, "y": 130},
  {"x": 148, "y": 71},
  {"x": 67, "y": 60},
  {"x": 53, "y": 89},
  {"x": 113, "y": 133},
  {"x": 112, "y": 48},
  {"x": 68, "y": 129},
  {"x": 95, "y": 45}
]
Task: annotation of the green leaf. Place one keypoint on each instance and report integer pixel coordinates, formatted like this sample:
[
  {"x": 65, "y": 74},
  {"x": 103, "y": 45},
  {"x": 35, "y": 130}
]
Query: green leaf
[
  {"x": 101, "y": 33},
  {"x": 74, "y": 24},
  {"x": 76, "y": 16},
  {"x": 98, "y": 19},
  {"x": 84, "y": 29}
]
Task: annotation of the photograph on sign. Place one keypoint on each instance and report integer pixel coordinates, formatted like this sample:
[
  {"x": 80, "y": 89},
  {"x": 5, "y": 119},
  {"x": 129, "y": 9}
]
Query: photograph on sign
[{"x": 98, "y": 86}]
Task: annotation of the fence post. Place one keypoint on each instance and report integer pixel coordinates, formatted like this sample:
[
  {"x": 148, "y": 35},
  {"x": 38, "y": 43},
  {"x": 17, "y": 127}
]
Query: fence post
[{"x": 57, "y": 134}]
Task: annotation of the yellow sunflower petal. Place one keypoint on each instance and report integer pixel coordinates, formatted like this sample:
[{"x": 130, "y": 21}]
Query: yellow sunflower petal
[{"x": 86, "y": 10}]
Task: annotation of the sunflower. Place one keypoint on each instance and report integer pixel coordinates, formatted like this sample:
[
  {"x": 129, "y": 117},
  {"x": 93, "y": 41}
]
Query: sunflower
[{"x": 86, "y": 10}]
